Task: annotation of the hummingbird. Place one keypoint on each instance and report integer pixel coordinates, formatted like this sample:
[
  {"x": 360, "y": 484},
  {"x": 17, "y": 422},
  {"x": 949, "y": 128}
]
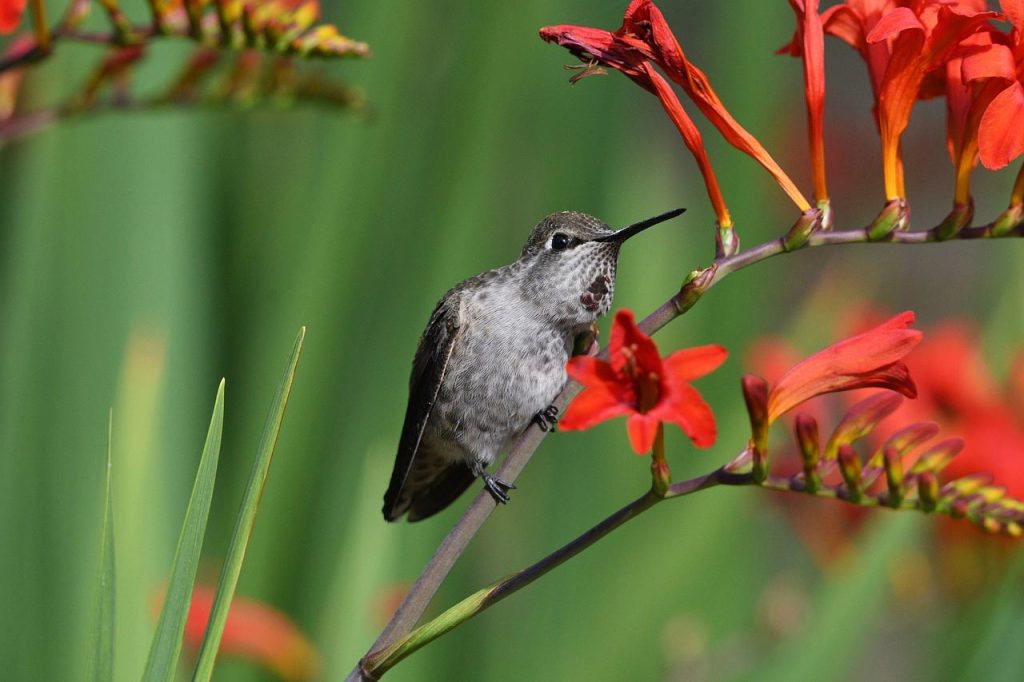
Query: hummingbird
[{"x": 493, "y": 357}]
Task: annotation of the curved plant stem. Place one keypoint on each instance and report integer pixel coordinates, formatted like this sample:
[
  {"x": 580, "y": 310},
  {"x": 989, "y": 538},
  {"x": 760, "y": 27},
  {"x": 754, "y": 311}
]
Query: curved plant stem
[
  {"x": 381, "y": 661},
  {"x": 423, "y": 590}
]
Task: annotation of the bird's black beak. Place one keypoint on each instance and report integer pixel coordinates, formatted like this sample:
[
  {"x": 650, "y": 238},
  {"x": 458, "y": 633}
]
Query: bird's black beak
[{"x": 636, "y": 228}]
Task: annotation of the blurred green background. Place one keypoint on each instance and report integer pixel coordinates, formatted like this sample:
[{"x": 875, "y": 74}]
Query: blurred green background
[{"x": 142, "y": 257}]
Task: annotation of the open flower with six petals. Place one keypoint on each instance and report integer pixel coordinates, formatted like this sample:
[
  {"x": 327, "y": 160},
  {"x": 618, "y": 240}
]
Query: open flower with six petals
[{"x": 638, "y": 382}]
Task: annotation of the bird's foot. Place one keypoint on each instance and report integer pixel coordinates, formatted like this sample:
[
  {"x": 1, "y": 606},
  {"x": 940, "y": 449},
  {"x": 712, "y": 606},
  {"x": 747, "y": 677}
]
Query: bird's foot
[
  {"x": 547, "y": 419},
  {"x": 495, "y": 486}
]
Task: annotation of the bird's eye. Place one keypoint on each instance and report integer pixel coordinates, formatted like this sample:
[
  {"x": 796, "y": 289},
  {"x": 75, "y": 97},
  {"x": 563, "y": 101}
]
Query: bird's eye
[{"x": 560, "y": 241}]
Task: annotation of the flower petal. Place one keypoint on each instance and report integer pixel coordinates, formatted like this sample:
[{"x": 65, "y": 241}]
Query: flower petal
[
  {"x": 642, "y": 429},
  {"x": 10, "y": 14},
  {"x": 1001, "y": 135},
  {"x": 626, "y": 336},
  {"x": 590, "y": 371},
  {"x": 993, "y": 61},
  {"x": 257, "y": 632},
  {"x": 1014, "y": 11},
  {"x": 893, "y": 23},
  {"x": 844, "y": 23},
  {"x": 687, "y": 409},
  {"x": 593, "y": 43},
  {"x": 868, "y": 359},
  {"x": 591, "y": 407},
  {"x": 692, "y": 138},
  {"x": 692, "y": 363}
]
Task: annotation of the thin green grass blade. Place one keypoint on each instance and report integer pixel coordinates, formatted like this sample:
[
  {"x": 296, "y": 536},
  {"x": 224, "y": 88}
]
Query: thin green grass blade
[
  {"x": 166, "y": 647},
  {"x": 103, "y": 654},
  {"x": 246, "y": 518}
]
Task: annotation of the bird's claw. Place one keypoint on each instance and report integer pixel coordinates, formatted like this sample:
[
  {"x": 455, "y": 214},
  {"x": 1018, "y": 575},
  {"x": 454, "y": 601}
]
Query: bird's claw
[
  {"x": 497, "y": 487},
  {"x": 547, "y": 419}
]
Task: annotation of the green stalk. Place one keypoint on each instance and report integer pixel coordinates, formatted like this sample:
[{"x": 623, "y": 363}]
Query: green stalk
[
  {"x": 103, "y": 653},
  {"x": 166, "y": 647},
  {"x": 246, "y": 518}
]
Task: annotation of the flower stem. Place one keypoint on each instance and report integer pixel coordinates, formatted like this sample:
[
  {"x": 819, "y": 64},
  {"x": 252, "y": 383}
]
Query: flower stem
[
  {"x": 40, "y": 26},
  {"x": 661, "y": 475},
  {"x": 1017, "y": 196},
  {"x": 378, "y": 662}
]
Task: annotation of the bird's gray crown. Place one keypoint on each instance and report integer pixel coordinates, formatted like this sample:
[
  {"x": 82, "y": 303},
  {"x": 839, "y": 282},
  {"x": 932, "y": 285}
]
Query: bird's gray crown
[{"x": 574, "y": 224}]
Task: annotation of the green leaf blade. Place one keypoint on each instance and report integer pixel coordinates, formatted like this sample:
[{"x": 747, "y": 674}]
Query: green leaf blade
[
  {"x": 247, "y": 517},
  {"x": 166, "y": 647},
  {"x": 103, "y": 652}
]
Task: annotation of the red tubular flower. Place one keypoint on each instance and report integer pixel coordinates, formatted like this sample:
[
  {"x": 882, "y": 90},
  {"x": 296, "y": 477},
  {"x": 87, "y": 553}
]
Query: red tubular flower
[
  {"x": 1000, "y": 135},
  {"x": 10, "y": 15},
  {"x": 608, "y": 48},
  {"x": 973, "y": 79},
  {"x": 868, "y": 360},
  {"x": 645, "y": 27},
  {"x": 692, "y": 138},
  {"x": 257, "y": 632},
  {"x": 638, "y": 382},
  {"x": 809, "y": 43},
  {"x": 902, "y": 41},
  {"x": 646, "y": 37}
]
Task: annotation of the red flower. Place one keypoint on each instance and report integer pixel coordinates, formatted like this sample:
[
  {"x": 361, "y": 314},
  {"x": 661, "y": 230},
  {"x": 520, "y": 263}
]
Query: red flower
[
  {"x": 969, "y": 402},
  {"x": 638, "y": 382},
  {"x": 902, "y": 41},
  {"x": 809, "y": 43},
  {"x": 10, "y": 14},
  {"x": 1000, "y": 136},
  {"x": 613, "y": 50},
  {"x": 645, "y": 37},
  {"x": 646, "y": 27},
  {"x": 255, "y": 631},
  {"x": 872, "y": 359},
  {"x": 972, "y": 80}
]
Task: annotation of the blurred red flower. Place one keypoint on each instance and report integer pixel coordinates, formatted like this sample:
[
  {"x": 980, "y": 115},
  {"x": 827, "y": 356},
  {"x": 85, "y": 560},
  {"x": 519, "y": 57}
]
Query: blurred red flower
[
  {"x": 957, "y": 390},
  {"x": 10, "y": 14},
  {"x": 637, "y": 381},
  {"x": 257, "y": 632}
]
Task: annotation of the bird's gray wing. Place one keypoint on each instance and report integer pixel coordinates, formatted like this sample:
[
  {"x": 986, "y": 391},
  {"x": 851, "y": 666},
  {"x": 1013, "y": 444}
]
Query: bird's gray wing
[{"x": 428, "y": 371}]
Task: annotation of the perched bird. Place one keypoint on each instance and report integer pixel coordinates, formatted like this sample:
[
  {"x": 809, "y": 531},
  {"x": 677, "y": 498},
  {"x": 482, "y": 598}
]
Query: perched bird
[{"x": 493, "y": 358}]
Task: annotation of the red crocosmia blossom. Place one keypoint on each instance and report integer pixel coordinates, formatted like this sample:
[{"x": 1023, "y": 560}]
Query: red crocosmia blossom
[
  {"x": 612, "y": 50},
  {"x": 1000, "y": 135},
  {"x": 257, "y": 632},
  {"x": 638, "y": 382},
  {"x": 10, "y": 14},
  {"x": 871, "y": 359},
  {"x": 902, "y": 41},
  {"x": 809, "y": 42},
  {"x": 974, "y": 77},
  {"x": 644, "y": 23},
  {"x": 645, "y": 37},
  {"x": 970, "y": 403}
]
